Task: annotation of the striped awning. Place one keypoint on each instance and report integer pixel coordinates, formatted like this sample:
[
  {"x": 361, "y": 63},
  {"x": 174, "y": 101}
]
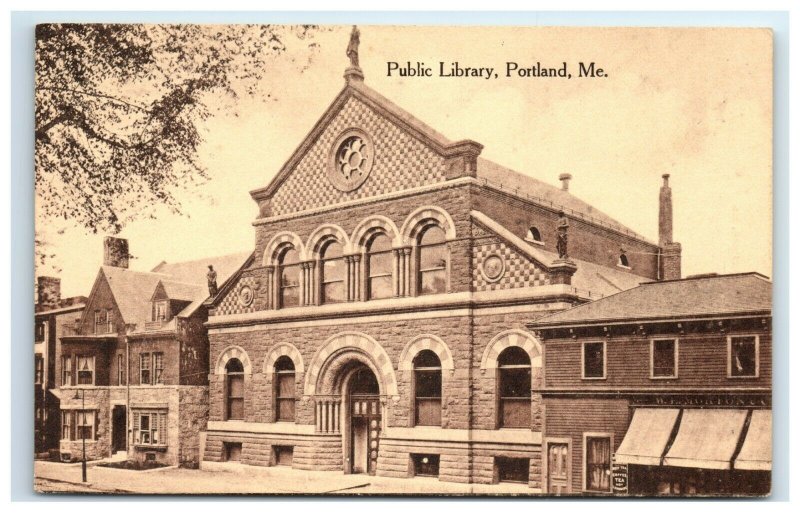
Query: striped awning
[
  {"x": 647, "y": 436},
  {"x": 756, "y": 452},
  {"x": 706, "y": 438}
]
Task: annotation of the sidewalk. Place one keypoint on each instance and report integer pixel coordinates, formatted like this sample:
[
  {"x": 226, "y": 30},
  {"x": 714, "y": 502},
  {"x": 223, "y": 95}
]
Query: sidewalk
[{"x": 229, "y": 478}]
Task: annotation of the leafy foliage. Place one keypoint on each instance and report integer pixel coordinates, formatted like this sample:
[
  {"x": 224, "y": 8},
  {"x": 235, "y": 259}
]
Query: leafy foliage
[{"x": 119, "y": 111}]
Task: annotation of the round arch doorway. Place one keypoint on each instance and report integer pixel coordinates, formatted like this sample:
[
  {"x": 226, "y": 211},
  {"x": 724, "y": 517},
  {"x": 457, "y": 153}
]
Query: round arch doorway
[{"x": 363, "y": 416}]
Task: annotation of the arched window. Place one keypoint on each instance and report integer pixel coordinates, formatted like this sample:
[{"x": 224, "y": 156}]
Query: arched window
[
  {"x": 623, "y": 260},
  {"x": 534, "y": 235},
  {"x": 514, "y": 388},
  {"x": 234, "y": 389},
  {"x": 289, "y": 271},
  {"x": 379, "y": 267},
  {"x": 333, "y": 273},
  {"x": 432, "y": 262},
  {"x": 427, "y": 389},
  {"x": 284, "y": 389}
]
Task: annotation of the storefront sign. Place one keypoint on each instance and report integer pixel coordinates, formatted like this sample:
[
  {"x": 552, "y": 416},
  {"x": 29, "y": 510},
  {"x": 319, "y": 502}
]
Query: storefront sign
[
  {"x": 619, "y": 478},
  {"x": 704, "y": 400}
]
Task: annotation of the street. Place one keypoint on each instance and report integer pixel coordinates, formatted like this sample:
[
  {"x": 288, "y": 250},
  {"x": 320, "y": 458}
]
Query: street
[{"x": 232, "y": 478}]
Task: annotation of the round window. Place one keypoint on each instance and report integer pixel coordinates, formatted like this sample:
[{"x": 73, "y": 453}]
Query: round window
[{"x": 351, "y": 159}]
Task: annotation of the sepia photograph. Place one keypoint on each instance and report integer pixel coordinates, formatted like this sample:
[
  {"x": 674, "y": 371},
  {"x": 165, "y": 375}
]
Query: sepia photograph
[{"x": 403, "y": 260}]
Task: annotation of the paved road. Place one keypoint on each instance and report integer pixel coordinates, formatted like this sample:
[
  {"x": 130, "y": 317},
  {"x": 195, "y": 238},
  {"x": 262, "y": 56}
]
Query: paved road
[{"x": 240, "y": 479}]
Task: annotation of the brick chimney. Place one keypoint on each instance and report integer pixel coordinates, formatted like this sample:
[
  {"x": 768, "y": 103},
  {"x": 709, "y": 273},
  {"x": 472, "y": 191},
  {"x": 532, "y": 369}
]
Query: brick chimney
[
  {"x": 115, "y": 252},
  {"x": 48, "y": 292},
  {"x": 564, "y": 178},
  {"x": 669, "y": 251}
]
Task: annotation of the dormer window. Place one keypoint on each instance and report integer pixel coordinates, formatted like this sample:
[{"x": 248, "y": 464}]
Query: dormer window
[
  {"x": 623, "y": 261},
  {"x": 534, "y": 236},
  {"x": 160, "y": 311}
]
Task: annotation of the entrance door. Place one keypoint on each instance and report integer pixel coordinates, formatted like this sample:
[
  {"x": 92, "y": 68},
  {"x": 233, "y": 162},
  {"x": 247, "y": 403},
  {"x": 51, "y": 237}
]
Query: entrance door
[
  {"x": 365, "y": 421},
  {"x": 119, "y": 435},
  {"x": 557, "y": 468}
]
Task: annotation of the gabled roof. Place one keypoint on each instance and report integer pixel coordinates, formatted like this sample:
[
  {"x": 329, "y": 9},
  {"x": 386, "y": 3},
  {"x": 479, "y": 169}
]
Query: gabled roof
[
  {"x": 694, "y": 297},
  {"x": 133, "y": 290},
  {"x": 590, "y": 280}
]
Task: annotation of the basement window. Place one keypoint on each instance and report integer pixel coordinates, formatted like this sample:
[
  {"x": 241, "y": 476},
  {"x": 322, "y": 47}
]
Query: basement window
[
  {"x": 510, "y": 469},
  {"x": 233, "y": 451},
  {"x": 283, "y": 455},
  {"x": 425, "y": 465}
]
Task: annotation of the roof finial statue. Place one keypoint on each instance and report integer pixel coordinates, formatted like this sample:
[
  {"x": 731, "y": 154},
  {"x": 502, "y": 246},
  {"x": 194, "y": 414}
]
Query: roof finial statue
[
  {"x": 211, "y": 275},
  {"x": 561, "y": 235},
  {"x": 353, "y": 72},
  {"x": 352, "y": 47}
]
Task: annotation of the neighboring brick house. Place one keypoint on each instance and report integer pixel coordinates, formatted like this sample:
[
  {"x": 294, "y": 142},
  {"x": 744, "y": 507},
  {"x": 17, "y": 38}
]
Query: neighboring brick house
[
  {"x": 661, "y": 389},
  {"x": 379, "y": 326},
  {"x": 133, "y": 370},
  {"x": 51, "y": 313}
]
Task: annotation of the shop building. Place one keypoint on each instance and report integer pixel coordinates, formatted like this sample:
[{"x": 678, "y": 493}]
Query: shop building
[
  {"x": 132, "y": 372},
  {"x": 663, "y": 389},
  {"x": 380, "y": 325}
]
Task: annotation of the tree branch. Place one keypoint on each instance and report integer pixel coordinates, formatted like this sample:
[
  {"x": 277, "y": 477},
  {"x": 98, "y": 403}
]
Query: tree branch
[{"x": 89, "y": 94}]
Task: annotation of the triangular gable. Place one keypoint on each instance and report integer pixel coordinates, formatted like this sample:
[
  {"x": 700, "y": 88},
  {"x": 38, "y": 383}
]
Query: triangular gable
[
  {"x": 539, "y": 257},
  {"x": 159, "y": 293},
  {"x": 407, "y": 153},
  {"x": 101, "y": 289}
]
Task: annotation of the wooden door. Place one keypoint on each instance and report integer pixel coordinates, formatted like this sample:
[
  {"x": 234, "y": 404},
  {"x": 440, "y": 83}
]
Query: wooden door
[{"x": 557, "y": 468}]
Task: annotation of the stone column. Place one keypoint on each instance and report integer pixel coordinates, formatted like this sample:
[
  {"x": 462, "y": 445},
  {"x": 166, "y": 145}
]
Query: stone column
[{"x": 270, "y": 287}]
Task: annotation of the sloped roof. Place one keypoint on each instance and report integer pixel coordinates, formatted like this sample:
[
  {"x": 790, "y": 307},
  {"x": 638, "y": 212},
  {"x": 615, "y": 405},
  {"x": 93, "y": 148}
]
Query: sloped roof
[
  {"x": 716, "y": 296},
  {"x": 133, "y": 290},
  {"x": 590, "y": 280},
  {"x": 548, "y": 195},
  {"x": 183, "y": 291}
]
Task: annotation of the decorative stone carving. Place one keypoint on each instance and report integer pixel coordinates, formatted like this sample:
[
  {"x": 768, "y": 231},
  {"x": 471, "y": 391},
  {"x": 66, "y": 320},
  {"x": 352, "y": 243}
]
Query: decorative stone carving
[{"x": 351, "y": 159}]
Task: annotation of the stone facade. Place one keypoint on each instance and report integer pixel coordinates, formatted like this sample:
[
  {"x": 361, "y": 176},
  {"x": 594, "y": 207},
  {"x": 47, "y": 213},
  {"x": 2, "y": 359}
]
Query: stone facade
[{"x": 494, "y": 284}]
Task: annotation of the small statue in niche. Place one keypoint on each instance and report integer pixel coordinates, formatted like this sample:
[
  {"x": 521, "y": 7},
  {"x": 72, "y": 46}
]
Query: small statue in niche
[
  {"x": 212, "y": 281},
  {"x": 352, "y": 47},
  {"x": 561, "y": 235}
]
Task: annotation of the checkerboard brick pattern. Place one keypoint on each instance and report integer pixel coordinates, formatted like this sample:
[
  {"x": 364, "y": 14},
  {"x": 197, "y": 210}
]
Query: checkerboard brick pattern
[
  {"x": 231, "y": 305},
  {"x": 401, "y": 162},
  {"x": 520, "y": 272}
]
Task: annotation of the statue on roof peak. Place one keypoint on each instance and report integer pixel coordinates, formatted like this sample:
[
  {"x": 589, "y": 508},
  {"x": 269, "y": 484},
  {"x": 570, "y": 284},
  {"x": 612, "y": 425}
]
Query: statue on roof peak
[{"x": 352, "y": 47}]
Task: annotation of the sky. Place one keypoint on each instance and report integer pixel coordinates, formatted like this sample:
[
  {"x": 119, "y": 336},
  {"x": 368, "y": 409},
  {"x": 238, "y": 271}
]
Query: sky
[{"x": 694, "y": 103}]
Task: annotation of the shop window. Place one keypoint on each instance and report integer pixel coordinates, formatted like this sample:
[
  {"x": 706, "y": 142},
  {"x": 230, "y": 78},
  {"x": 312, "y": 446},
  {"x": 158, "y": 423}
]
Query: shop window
[
  {"x": 664, "y": 359},
  {"x": 379, "y": 267},
  {"x": 534, "y": 235},
  {"x": 38, "y": 374},
  {"x": 145, "y": 371},
  {"x": 514, "y": 388},
  {"x": 289, "y": 274},
  {"x": 283, "y": 455},
  {"x": 743, "y": 356},
  {"x": 333, "y": 273},
  {"x": 594, "y": 360},
  {"x": 425, "y": 465},
  {"x": 150, "y": 427},
  {"x": 84, "y": 422},
  {"x": 509, "y": 469},
  {"x": 427, "y": 389},
  {"x": 284, "y": 389},
  {"x": 85, "y": 365},
  {"x": 234, "y": 390},
  {"x": 432, "y": 261},
  {"x": 66, "y": 371},
  {"x": 597, "y": 469},
  {"x": 158, "y": 368},
  {"x": 232, "y": 451}
]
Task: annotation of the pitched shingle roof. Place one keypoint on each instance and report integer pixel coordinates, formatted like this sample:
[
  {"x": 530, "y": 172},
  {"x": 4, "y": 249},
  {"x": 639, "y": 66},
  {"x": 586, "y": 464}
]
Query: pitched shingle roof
[
  {"x": 694, "y": 297},
  {"x": 133, "y": 290}
]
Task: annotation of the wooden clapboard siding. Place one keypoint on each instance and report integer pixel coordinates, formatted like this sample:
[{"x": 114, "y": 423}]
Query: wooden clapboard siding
[{"x": 572, "y": 417}]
